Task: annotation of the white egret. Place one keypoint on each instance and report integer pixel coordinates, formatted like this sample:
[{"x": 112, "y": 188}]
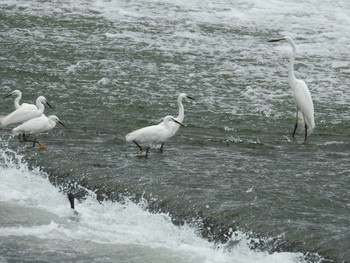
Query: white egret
[
  {"x": 17, "y": 99},
  {"x": 23, "y": 114},
  {"x": 301, "y": 93},
  {"x": 152, "y": 135},
  {"x": 180, "y": 117},
  {"x": 35, "y": 126}
]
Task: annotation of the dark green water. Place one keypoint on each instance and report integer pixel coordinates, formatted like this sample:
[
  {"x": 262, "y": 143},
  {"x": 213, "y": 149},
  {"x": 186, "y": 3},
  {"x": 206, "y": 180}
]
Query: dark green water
[{"x": 109, "y": 68}]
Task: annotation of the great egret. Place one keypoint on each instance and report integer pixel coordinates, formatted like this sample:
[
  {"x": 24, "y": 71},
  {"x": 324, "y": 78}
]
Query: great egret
[
  {"x": 179, "y": 118},
  {"x": 152, "y": 135},
  {"x": 35, "y": 126},
  {"x": 23, "y": 114},
  {"x": 301, "y": 93}
]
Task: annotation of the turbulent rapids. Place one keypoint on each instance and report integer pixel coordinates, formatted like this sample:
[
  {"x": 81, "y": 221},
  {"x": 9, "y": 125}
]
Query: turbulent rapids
[{"x": 231, "y": 186}]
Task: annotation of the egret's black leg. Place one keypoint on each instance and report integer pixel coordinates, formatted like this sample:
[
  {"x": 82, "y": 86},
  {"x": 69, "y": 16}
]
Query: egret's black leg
[
  {"x": 147, "y": 152},
  {"x": 296, "y": 125},
  {"x": 34, "y": 142},
  {"x": 138, "y": 145},
  {"x": 305, "y": 131},
  {"x": 161, "y": 147},
  {"x": 25, "y": 138}
]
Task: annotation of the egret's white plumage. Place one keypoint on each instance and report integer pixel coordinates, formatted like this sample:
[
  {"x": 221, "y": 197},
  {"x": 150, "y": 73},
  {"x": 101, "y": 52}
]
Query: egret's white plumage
[
  {"x": 25, "y": 113},
  {"x": 17, "y": 99},
  {"x": 151, "y": 136},
  {"x": 301, "y": 93},
  {"x": 179, "y": 118},
  {"x": 37, "y": 125}
]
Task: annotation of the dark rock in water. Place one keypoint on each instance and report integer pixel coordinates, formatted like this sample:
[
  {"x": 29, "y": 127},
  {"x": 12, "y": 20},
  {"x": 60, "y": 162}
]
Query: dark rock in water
[{"x": 71, "y": 200}]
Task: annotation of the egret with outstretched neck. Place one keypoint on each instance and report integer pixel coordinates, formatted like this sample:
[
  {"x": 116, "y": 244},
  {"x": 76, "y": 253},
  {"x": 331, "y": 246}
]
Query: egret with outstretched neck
[
  {"x": 23, "y": 114},
  {"x": 152, "y": 135},
  {"x": 179, "y": 118},
  {"x": 35, "y": 126},
  {"x": 301, "y": 93}
]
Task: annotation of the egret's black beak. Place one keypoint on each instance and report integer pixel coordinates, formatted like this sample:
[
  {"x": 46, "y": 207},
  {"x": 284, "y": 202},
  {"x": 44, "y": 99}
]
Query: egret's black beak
[
  {"x": 62, "y": 124},
  {"x": 188, "y": 97},
  {"x": 178, "y": 123},
  {"x": 276, "y": 39},
  {"x": 48, "y": 104},
  {"x": 8, "y": 95}
]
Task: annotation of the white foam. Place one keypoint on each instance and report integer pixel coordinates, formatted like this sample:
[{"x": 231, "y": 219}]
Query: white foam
[
  {"x": 321, "y": 35},
  {"x": 108, "y": 222}
]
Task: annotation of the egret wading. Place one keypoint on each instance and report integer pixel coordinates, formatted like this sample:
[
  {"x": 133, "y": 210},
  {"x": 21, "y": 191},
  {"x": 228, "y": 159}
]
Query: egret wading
[
  {"x": 301, "y": 93},
  {"x": 152, "y": 135},
  {"x": 23, "y": 114},
  {"x": 35, "y": 126},
  {"x": 179, "y": 118}
]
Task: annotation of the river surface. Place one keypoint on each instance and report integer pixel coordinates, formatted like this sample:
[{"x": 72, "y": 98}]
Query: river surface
[{"x": 231, "y": 186}]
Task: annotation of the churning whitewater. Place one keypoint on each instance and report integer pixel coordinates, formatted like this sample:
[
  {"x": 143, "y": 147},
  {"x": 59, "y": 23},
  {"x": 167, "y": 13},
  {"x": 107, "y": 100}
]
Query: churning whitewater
[{"x": 231, "y": 185}]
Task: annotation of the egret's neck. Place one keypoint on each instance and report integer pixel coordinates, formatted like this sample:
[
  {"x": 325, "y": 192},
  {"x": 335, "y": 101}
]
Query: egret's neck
[
  {"x": 19, "y": 96},
  {"x": 41, "y": 107},
  {"x": 291, "y": 77},
  {"x": 181, "y": 115},
  {"x": 52, "y": 123}
]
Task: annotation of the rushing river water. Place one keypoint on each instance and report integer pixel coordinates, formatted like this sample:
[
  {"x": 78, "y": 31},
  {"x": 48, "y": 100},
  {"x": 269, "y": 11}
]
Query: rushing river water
[{"x": 231, "y": 186}]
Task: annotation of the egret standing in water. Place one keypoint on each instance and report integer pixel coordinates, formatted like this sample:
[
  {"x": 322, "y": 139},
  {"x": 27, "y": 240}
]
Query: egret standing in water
[
  {"x": 152, "y": 135},
  {"x": 179, "y": 118},
  {"x": 35, "y": 126},
  {"x": 301, "y": 93},
  {"x": 23, "y": 114}
]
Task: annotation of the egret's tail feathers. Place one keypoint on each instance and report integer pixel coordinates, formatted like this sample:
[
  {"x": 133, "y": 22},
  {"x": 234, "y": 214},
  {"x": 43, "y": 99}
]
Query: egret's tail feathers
[
  {"x": 310, "y": 129},
  {"x": 312, "y": 126},
  {"x": 128, "y": 137},
  {"x": 310, "y": 122},
  {"x": 15, "y": 132}
]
